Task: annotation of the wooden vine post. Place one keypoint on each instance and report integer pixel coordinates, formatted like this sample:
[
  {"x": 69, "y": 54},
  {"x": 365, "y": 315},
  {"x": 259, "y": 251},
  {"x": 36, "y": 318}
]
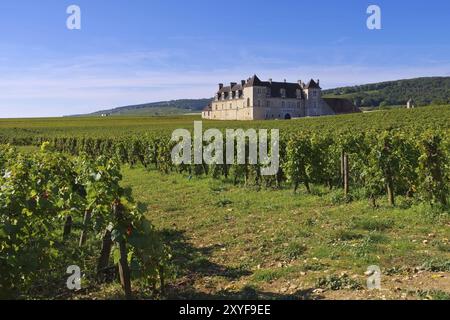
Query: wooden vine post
[
  {"x": 67, "y": 228},
  {"x": 346, "y": 175},
  {"x": 86, "y": 221},
  {"x": 342, "y": 168},
  {"x": 124, "y": 269},
  {"x": 387, "y": 150},
  {"x": 104, "y": 254}
]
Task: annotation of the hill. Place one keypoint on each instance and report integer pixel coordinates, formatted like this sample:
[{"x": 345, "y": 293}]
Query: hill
[
  {"x": 424, "y": 91},
  {"x": 172, "y": 107}
]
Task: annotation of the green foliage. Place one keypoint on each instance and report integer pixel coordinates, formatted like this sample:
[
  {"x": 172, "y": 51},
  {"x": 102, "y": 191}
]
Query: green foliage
[
  {"x": 433, "y": 294},
  {"x": 39, "y": 191},
  {"x": 424, "y": 91},
  {"x": 335, "y": 282},
  {"x": 294, "y": 250},
  {"x": 298, "y": 161},
  {"x": 435, "y": 265},
  {"x": 391, "y": 153},
  {"x": 433, "y": 168}
]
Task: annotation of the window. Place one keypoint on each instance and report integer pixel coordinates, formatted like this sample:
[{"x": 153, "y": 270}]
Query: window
[{"x": 248, "y": 102}]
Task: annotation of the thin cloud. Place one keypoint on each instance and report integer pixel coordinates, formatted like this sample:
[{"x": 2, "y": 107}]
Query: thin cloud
[{"x": 93, "y": 82}]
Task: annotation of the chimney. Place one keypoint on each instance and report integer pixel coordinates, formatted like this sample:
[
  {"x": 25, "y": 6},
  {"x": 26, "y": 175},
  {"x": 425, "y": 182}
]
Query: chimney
[
  {"x": 220, "y": 86},
  {"x": 284, "y": 80},
  {"x": 232, "y": 84},
  {"x": 270, "y": 80},
  {"x": 318, "y": 82},
  {"x": 242, "y": 82},
  {"x": 300, "y": 83}
]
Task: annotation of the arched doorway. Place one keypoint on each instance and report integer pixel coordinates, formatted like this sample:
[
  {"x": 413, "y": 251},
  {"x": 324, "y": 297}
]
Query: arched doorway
[{"x": 287, "y": 117}]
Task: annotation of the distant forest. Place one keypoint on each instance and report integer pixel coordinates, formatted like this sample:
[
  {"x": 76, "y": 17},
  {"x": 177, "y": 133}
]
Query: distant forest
[{"x": 424, "y": 91}]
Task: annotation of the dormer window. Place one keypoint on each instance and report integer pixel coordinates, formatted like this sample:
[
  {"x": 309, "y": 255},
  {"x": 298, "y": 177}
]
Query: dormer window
[{"x": 283, "y": 93}]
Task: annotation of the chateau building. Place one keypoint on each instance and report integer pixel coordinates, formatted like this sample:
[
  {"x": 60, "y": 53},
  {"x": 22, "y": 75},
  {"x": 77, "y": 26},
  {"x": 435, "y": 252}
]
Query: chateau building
[{"x": 253, "y": 99}]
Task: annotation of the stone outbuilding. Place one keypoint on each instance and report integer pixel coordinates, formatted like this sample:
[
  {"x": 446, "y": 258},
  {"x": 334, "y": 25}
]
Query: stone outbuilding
[{"x": 410, "y": 104}]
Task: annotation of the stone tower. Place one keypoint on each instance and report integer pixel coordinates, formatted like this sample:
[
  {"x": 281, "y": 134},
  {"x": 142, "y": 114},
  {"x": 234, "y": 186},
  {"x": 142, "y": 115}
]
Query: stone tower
[{"x": 313, "y": 94}]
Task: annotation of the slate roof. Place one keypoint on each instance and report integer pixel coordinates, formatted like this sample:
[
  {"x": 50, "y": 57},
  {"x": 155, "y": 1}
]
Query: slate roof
[
  {"x": 291, "y": 88},
  {"x": 312, "y": 85},
  {"x": 253, "y": 81},
  {"x": 340, "y": 106}
]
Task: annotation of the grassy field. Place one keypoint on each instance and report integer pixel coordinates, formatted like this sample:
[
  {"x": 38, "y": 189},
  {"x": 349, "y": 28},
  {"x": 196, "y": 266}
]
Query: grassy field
[{"x": 237, "y": 242}]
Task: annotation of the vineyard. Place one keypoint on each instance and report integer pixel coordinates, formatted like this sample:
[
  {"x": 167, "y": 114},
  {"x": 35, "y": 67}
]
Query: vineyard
[
  {"x": 410, "y": 159},
  {"x": 64, "y": 205},
  {"x": 409, "y": 163},
  {"x": 58, "y": 211}
]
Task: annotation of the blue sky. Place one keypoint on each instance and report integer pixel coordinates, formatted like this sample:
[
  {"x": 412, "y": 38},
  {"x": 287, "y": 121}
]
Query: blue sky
[{"x": 138, "y": 51}]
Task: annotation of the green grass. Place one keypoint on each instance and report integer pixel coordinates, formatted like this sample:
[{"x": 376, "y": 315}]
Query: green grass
[{"x": 224, "y": 234}]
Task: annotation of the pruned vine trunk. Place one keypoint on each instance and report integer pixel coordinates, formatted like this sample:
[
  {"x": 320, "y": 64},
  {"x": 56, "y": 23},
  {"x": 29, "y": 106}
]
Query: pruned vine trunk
[
  {"x": 124, "y": 269},
  {"x": 390, "y": 191}
]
